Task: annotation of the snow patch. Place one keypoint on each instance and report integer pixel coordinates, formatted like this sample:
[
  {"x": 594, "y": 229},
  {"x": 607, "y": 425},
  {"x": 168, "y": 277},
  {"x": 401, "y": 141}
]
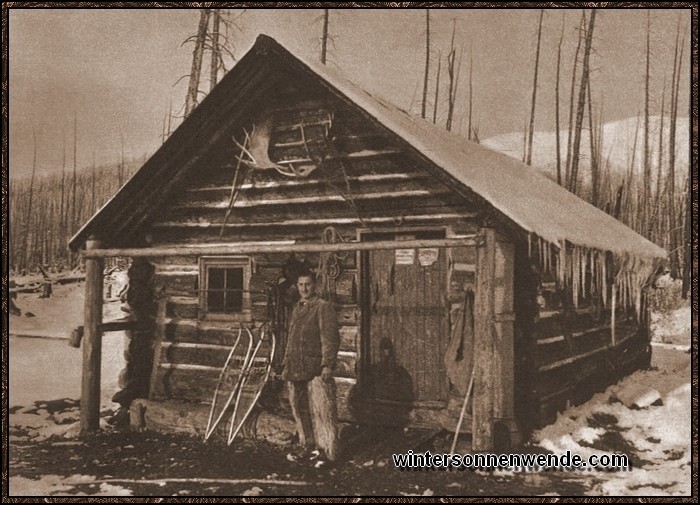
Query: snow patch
[{"x": 656, "y": 430}]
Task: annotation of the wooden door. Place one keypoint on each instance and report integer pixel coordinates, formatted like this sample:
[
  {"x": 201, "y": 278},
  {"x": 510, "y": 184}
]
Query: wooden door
[{"x": 406, "y": 328}]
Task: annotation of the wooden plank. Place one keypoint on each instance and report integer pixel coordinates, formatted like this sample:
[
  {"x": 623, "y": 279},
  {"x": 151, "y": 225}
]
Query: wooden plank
[
  {"x": 243, "y": 248},
  {"x": 482, "y": 403},
  {"x": 92, "y": 345}
]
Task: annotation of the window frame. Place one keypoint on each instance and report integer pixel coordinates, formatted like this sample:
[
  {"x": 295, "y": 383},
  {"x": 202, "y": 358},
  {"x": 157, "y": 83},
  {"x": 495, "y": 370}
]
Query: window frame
[{"x": 208, "y": 262}]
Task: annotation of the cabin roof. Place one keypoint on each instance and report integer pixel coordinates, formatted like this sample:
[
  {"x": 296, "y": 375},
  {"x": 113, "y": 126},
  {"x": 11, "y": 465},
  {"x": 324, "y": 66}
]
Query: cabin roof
[{"x": 535, "y": 203}]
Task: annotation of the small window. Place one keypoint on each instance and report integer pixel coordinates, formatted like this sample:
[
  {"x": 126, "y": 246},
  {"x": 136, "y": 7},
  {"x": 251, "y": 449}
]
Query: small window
[{"x": 225, "y": 283}]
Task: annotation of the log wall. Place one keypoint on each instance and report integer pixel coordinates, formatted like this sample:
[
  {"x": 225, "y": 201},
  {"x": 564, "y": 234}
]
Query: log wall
[
  {"x": 564, "y": 355},
  {"x": 361, "y": 181}
]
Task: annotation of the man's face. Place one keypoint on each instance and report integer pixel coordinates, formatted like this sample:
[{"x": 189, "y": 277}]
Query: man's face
[{"x": 306, "y": 287}]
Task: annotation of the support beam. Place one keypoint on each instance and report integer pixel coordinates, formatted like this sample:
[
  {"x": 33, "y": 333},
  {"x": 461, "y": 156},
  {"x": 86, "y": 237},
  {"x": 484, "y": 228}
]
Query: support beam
[
  {"x": 494, "y": 426},
  {"x": 92, "y": 345},
  {"x": 482, "y": 406},
  {"x": 285, "y": 247}
]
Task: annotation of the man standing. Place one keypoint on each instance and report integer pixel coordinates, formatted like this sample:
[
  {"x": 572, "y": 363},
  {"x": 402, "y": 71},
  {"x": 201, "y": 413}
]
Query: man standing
[{"x": 312, "y": 347}]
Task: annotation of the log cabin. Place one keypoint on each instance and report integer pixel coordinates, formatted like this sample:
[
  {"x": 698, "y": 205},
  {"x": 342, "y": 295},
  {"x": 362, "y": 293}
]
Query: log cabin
[{"x": 472, "y": 292}]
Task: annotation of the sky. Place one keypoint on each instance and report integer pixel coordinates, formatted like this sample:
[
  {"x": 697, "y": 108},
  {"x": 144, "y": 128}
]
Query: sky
[{"x": 117, "y": 70}]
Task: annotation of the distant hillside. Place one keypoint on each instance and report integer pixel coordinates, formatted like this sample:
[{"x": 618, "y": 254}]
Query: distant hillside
[{"x": 617, "y": 149}]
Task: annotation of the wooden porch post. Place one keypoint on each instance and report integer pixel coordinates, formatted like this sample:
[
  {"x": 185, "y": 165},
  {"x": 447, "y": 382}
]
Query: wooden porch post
[
  {"x": 494, "y": 358},
  {"x": 482, "y": 401},
  {"x": 92, "y": 343}
]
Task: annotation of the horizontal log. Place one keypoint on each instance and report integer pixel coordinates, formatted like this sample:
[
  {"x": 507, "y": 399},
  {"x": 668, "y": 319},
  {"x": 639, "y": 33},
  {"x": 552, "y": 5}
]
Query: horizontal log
[
  {"x": 198, "y": 384},
  {"x": 354, "y": 221},
  {"x": 573, "y": 359},
  {"x": 575, "y": 383},
  {"x": 312, "y": 184},
  {"x": 348, "y": 314},
  {"x": 177, "y": 282},
  {"x": 182, "y": 307},
  {"x": 251, "y": 248},
  {"x": 214, "y": 355},
  {"x": 197, "y": 332},
  {"x": 322, "y": 200},
  {"x": 193, "y": 331},
  {"x": 344, "y": 209}
]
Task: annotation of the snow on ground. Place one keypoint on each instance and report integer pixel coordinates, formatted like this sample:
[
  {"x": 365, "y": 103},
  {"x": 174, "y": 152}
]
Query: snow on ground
[
  {"x": 672, "y": 328},
  {"x": 47, "y": 368},
  {"x": 53, "y": 317},
  {"x": 646, "y": 415}
]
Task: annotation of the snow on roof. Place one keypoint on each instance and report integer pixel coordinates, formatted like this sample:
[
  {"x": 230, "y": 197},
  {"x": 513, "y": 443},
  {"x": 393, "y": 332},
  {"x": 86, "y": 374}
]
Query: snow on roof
[{"x": 531, "y": 200}]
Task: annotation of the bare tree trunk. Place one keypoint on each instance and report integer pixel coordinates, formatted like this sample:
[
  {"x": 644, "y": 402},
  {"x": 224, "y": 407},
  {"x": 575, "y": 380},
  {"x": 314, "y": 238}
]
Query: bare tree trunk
[
  {"x": 534, "y": 92},
  {"x": 62, "y": 215},
  {"x": 647, "y": 167},
  {"x": 215, "y": 51},
  {"x": 581, "y": 31},
  {"x": 675, "y": 241},
  {"x": 193, "y": 89},
  {"x": 324, "y": 40},
  {"x": 27, "y": 220},
  {"x": 454, "y": 78},
  {"x": 121, "y": 163},
  {"x": 427, "y": 63},
  {"x": 437, "y": 89},
  {"x": 595, "y": 168},
  {"x": 471, "y": 68},
  {"x": 94, "y": 168},
  {"x": 657, "y": 221},
  {"x": 581, "y": 103},
  {"x": 556, "y": 100},
  {"x": 74, "y": 214},
  {"x": 630, "y": 177}
]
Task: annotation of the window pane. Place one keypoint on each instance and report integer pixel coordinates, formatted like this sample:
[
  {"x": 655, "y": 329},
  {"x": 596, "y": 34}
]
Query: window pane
[
  {"x": 234, "y": 289},
  {"x": 215, "y": 301},
  {"x": 216, "y": 278}
]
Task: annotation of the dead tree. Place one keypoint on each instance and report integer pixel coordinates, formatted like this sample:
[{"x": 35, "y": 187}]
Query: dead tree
[
  {"x": 674, "y": 242},
  {"x": 215, "y": 50},
  {"x": 471, "y": 68},
  {"x": 581, "y": 30},
  {"x": 324, "y": 39},
  {"x": 581, "y": 103},
  {"x": 427, "y": 64},
  {"x": 437, "y": 88},
  {"x": 657, "y": 222},
  {"x": 556, "y": 100},
  {"x": 27, "y": 220},
  {"x": 453, "y": 67},
  {"x": 121, "y": 163},
  {"x": 531, "y": 131},
  {"x": 646, "y": 181},
  {"x": 193, "y": 88},
  {"x": 74, "y": 215},
  {"x": 94, "y": 168},
  {"x": 594, "y": 148},
  {"x": 62, "y": 215}
]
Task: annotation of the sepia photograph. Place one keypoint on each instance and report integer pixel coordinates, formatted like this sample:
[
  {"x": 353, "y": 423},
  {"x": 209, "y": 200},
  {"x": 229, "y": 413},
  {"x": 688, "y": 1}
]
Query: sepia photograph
[{"x": 384, "y": 251}]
